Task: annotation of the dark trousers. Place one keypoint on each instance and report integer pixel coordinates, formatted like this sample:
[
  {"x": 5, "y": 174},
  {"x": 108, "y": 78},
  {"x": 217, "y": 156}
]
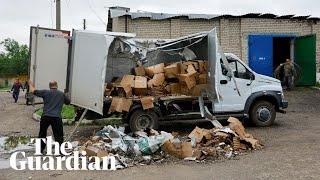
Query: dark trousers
[
  {"x": 57, "y": 129},
  {"x": 15, "y": 96},
  {"x": 288, "y": 82}
]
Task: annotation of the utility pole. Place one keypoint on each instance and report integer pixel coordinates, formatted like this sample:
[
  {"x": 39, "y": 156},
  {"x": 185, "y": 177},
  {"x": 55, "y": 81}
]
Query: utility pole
[
  {"x": 58, "y": 14},
  {"x": 84, "y": 24}
]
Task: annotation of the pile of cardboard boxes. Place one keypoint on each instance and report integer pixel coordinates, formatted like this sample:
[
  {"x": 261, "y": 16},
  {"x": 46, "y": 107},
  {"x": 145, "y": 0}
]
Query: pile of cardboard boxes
[{"x": 185, "y": 78}]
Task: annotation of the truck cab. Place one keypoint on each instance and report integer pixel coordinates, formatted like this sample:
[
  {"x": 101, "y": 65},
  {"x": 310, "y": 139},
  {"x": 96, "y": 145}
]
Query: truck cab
[{"x": 256, "y": 96}]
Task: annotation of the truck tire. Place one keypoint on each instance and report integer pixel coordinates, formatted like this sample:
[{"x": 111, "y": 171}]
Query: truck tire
[
  {"x": 262, "y": 113},
  {"x": 141, "y": 119}
]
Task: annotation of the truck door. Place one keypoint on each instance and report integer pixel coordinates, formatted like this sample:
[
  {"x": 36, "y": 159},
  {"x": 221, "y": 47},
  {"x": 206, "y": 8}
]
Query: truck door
[
  {"x": 230, "y": 100},
  {"x": 305, "y": 57},
  {"x": 88, "y": 69},
  {"x": 49, "y": 50}
]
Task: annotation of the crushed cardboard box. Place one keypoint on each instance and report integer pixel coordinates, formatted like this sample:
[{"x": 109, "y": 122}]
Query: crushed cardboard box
[
  {"x": 147, "y": 102},
  {"x": 120, "y": 105}
]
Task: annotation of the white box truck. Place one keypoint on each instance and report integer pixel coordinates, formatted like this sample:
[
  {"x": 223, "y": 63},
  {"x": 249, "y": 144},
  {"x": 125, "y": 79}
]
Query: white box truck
[{"x": 84, "y": 62}]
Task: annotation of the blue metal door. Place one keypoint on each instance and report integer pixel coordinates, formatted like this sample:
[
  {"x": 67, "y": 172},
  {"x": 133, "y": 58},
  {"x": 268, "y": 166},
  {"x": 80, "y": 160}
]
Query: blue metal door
[{"x": 261, "y": 54}]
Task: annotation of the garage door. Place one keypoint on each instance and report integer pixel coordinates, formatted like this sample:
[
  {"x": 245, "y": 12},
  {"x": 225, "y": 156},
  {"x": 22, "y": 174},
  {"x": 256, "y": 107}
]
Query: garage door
[{"x": 260, "y": 54}]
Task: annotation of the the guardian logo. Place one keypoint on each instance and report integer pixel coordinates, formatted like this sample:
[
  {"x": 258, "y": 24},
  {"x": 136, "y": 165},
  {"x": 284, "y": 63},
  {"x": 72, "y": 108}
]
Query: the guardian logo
[{"x": 59, "y": 158}]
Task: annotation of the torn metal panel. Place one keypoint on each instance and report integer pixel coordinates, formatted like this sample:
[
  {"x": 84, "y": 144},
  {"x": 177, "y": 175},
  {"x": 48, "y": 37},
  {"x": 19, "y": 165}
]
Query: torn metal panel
[{"x": 212, "y": 60}]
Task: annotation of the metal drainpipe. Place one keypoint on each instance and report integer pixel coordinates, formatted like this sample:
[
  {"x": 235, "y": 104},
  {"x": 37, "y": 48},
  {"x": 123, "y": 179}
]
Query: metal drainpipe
[{"x": 126, "y": 24}]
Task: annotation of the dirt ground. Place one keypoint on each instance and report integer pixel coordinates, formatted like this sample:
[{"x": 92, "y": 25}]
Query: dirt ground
[{"x": 291, "y": 147}]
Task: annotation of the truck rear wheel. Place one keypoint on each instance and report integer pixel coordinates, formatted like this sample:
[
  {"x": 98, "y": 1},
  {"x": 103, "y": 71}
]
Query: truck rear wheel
[
  {"x": 263, "y": 113},
  {"x": 141, "y": 119}
]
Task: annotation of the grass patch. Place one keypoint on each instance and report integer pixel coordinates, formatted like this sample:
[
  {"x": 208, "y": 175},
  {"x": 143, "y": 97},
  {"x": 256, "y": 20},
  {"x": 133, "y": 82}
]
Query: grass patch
[
  {"x": 6, "y": 88},
  {"x": 318, "y": 84},
  {"x": 68, "y": 112}
]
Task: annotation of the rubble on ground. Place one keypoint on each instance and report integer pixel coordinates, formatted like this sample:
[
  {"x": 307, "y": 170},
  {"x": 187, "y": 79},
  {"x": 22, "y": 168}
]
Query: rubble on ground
[
  {"x": 185, "y": 78},
  {"x": 151, "y": 146}
]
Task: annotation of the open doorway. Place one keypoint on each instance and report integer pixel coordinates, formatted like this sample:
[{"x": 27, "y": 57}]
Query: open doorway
[{"x": 281, "y": 50}]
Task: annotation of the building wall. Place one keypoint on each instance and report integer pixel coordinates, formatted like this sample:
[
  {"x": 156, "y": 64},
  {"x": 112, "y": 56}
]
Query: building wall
[{"x": 232, "y": 32}]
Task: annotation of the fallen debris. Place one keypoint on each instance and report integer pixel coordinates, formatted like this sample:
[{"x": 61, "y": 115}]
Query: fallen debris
[{"x": 150, "y": 146}]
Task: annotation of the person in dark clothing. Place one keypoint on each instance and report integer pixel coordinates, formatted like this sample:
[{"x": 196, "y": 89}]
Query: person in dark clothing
[
  {"x": 26, "y": 87},
  {"x": 53, "y": 100},
  {"x": 289, "y": 73},
  {"x": 16, "y": 90}
]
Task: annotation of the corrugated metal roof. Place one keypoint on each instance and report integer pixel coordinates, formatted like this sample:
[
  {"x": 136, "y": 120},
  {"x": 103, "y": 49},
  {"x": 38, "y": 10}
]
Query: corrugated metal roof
[{"x": 160, "y": 16}]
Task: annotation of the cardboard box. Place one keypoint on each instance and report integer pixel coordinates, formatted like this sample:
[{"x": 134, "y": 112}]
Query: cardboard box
[
  {"x": 147, "y": 102},
  {"x": 183, "y": 68},
  {"x": 184, "y": 89},
  {"x": 127, "y": 89},
  {"x": 174, "y": 88},
  {"x": 140, "y": 85},
  {"x": 102, "y": 153},
  {"x": 126, "y": 104},
  {"x": 140, "y": 71},
  {"x": 191, "y": 69},
  {"x": 181, "y": 150},
  {"x": 127, "y": 80},
  {"x": 172, "y": 70},
  {"x": 158, "y": 79},
  {"x": 120, "y": 105},
  {"x": 92, "y": 151},
  {"x": 150, "y": 71},
  {"x": 188, "y": 79},
  {"x": 203, "y": 78},
  {"x": 197, "y": 133}
]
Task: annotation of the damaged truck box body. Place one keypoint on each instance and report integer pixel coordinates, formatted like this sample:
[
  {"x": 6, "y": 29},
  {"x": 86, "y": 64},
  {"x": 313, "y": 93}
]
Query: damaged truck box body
[{"x": 180, "y": 79}]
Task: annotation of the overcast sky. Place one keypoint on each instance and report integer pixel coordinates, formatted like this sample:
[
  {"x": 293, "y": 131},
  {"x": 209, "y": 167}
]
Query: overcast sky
[{"x": 16, "y": 16}]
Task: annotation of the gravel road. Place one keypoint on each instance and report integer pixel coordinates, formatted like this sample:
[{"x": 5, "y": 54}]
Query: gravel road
[{"x": 291, "y": 148}]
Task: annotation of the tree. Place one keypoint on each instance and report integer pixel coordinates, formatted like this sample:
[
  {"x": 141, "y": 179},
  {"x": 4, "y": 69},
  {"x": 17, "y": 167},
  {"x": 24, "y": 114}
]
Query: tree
[{"x": 14, "y": 58}]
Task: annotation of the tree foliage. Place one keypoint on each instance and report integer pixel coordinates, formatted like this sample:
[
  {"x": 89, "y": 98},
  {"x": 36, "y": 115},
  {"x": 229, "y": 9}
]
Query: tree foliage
[{"x": 14, "y": 58}]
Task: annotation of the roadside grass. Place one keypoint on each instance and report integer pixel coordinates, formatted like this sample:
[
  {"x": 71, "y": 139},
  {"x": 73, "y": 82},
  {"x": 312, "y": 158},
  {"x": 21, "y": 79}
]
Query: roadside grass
[
  {"x": 68, "y": 112},
  {"x": 318, "y": 84},
  {"x": 5, "y": 88}
]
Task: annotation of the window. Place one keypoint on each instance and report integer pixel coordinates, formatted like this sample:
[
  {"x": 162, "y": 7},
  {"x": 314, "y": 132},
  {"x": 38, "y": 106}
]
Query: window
[{"x": 239, "y": 70}]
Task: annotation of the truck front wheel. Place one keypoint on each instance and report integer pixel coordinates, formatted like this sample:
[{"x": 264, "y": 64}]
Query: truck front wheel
[
  {"x": 263, "y": 113},
  {"x": 141, "y": 119}
]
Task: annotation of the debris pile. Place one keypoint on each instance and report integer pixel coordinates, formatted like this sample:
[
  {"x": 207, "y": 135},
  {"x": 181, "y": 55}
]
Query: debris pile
[
  {"x": 153, "y": 146},
  {"x": 147, "y": 84}
]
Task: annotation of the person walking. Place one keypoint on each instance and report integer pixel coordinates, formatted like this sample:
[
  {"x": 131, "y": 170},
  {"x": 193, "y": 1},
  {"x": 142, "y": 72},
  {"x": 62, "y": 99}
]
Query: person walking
[
  {"x": 289, "y": 72},
  {"x": 53, "y": 100},
  {"x": 16, "y": 90}
]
